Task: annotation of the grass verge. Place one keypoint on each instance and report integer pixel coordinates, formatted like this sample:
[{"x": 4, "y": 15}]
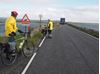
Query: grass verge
[
  {"x": 19, "y": 38},
  {"x": 89, "y": 31},
  {"x": 37, "y": 36}
]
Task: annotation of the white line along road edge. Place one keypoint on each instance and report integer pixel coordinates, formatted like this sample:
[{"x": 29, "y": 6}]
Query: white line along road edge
[
  {"x": 42, "y": 42},
  {"x": 30, "y": 61}
]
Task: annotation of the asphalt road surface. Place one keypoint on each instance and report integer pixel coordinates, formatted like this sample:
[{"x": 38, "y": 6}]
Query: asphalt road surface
[{"x": 70, "y": 51}]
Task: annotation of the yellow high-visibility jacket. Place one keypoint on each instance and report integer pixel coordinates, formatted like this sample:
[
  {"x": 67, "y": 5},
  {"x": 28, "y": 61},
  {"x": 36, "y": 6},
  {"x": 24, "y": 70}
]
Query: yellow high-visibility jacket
[
  {"x": 50, "y": 25},
  {"x": 10, "y": 26}
]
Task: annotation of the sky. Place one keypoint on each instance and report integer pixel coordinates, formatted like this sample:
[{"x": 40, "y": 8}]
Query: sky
[{"x": 72, "y": 10}]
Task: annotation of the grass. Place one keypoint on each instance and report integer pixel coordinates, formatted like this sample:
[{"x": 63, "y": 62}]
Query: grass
[
  {"x": 89, "y": 31},
  {"x": 1, "y": 38},
  {"x": 34, "y": 39}
]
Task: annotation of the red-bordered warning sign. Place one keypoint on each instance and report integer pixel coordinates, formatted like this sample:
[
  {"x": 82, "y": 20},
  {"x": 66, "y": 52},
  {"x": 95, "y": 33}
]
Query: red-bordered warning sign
[{"x": 25, "y": 20}]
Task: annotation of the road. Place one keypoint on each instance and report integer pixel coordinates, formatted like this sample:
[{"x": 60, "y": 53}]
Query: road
[{"x": 70, "y": 51}]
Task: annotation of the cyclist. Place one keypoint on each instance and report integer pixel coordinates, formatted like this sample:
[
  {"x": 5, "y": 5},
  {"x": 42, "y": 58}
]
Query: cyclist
[
  {"x": 10, "y": 31},
  {"x": 50, "y": 27}
]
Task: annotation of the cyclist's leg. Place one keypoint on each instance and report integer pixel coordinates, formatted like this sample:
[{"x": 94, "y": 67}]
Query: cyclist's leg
[
  {"x": 48, "y": 32},
  {"x": 12, "y": 43}
]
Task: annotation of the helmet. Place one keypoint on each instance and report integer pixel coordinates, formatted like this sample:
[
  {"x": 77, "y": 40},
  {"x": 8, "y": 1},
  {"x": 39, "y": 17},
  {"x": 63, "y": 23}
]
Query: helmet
[{"x": 14, "y": 13}]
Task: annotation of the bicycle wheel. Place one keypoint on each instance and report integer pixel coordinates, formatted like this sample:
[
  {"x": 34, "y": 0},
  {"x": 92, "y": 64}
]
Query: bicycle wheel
[
  {"x": 7, "y": 58},
  {"x": 28, "y": 49}
]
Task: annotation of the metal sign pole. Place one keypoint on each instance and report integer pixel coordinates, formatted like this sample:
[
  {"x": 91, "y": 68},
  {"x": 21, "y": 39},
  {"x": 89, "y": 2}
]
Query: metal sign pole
[
  {"x": 25, "y": 21},
  {"x": 25, "y": 32},
  {"x": 40, "y": 19}
]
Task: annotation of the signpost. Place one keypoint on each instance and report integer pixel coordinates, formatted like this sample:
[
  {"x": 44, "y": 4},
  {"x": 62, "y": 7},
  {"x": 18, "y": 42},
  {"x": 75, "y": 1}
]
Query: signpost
[
  {"x": 40, "y": 16},
  {"x": 25, "y": 21}
]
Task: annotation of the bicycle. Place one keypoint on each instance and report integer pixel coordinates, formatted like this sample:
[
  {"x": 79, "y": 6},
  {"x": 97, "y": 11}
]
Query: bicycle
[{"x": 26, "y": 47}]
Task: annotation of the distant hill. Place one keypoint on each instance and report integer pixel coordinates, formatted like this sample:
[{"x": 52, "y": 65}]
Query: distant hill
[{"x": 2, "y": 20}]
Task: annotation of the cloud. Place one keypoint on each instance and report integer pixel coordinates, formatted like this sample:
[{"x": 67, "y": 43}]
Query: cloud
[
  {"x": 82, "y": 14},
  {"x": 49, "y": 9},
  {"x": 28, "y": 2},
  {"x": 41, "y": 1},
  {"x": 85, "y": 14}
]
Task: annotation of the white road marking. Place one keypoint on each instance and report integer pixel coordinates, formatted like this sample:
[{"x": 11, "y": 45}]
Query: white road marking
[
  {"x": 42, "y": 41},
  {"x": 27, "y": 66},
  {"x": 30, "y": 61}
]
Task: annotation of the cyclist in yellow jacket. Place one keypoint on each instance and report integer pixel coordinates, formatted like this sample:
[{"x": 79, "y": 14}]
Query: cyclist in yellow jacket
[
  {"x": 10, "y": 25},
  {"x": 50, "y": 27},
  {"x": 11, "y": 29}
]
